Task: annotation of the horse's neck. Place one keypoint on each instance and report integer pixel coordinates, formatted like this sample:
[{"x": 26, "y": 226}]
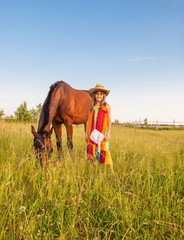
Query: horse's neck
[
  {"x": 42, "y": 123},
  {"x": 46, "y": 118},
  {"x": 49, "y": 108}
]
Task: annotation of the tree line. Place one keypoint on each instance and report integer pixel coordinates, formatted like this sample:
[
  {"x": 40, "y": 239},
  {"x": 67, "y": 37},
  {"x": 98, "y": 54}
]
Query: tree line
[{"x": 23, "y": 114}]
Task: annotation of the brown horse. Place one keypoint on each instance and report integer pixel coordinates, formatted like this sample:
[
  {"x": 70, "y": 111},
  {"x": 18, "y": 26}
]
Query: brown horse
[{"x": 63, "y": 105}]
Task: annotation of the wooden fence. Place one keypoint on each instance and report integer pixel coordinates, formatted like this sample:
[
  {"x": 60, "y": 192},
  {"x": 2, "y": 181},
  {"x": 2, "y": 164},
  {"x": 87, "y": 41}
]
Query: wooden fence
[{"x": 158, "y": 123}]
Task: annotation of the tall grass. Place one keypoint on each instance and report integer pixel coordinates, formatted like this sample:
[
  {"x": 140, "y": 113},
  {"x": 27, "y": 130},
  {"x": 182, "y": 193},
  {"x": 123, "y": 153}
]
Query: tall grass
[{"x": 71, "y": 199}]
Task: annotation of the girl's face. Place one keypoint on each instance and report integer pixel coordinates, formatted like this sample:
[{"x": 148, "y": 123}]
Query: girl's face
[{"x": 99, "y": 96}]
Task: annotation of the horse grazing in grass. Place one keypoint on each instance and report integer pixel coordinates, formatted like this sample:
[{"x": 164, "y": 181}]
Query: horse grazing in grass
[{"x": 63, "y": 105}]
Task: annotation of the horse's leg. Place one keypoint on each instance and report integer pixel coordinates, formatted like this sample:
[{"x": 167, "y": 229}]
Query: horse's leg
[
  {"x": 69, "y": 130},
  {"x": 58, "y": 133}
]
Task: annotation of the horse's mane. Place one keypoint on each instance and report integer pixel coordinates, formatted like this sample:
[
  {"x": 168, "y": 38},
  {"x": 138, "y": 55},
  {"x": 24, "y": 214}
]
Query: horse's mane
[{"x": 45, "y": 109}]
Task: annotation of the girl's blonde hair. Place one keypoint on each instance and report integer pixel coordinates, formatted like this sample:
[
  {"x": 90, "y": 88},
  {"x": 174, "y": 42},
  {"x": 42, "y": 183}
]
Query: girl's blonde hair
[{"x": 102, "y": 103}]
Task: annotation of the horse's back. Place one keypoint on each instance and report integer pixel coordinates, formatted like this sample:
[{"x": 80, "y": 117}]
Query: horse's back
[{"x": 74, "y": 104}]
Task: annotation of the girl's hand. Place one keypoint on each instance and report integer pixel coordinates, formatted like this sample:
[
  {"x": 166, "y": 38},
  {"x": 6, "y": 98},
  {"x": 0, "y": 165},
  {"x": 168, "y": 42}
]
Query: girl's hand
[
  {"x": 86, "y": 138},
  {"x": 107, "y": 136}
]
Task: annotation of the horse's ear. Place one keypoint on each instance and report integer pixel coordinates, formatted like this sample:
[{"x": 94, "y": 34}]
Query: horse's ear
[
  {"x": 50, "y": 132},
  {"x": 34, "y": 132}
]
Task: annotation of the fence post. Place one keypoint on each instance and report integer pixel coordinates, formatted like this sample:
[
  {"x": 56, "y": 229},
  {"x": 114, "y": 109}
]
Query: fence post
[
  {"x": 139, "y": 123},
  {"x": 157, "y": 124},
  {"x": 174, "y": 123}
]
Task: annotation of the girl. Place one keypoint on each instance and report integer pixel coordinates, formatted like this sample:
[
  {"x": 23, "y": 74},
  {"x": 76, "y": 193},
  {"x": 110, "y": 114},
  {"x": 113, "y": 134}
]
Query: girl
[{"x": 100, "y": 119}]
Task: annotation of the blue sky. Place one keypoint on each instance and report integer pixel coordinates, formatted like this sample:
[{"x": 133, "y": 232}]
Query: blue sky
[{"x": 134, "y": 47}]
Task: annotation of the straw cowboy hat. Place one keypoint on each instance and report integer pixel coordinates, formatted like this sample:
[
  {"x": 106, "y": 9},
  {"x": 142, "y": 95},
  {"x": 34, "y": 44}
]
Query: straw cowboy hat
[{"x": 100, "y": 88}]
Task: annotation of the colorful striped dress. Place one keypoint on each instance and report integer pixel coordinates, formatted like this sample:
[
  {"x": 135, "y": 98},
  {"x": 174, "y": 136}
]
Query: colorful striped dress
[{"x": 98, "y": 119}]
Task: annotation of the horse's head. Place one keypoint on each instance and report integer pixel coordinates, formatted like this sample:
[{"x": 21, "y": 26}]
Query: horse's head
[{"x": 42, "y": 144}]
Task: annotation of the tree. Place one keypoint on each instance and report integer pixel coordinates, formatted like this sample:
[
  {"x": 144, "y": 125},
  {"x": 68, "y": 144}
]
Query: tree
[
  {"x": 22, "y": 113},
  {"x": 35, "y": 112},
  {"x": 1, "y": 113},
  {"x": 146, "y": 122},
  {"x": 116, "y": 122},
  {"x": 9, "y": 118}
]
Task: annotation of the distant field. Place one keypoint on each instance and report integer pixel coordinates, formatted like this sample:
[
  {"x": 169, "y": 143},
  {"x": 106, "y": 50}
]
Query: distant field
[{"x": 73, "y": 200}]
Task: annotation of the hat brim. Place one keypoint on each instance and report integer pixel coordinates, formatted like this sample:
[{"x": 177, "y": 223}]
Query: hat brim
[{"x": 93, "y": 90}]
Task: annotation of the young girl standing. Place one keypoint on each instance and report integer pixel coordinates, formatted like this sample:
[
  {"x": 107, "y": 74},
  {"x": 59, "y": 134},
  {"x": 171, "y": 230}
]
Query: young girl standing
[{"x": 100, "y": 119}]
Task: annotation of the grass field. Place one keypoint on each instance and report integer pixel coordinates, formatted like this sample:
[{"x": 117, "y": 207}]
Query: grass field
[{"x": 73, "y": 200}]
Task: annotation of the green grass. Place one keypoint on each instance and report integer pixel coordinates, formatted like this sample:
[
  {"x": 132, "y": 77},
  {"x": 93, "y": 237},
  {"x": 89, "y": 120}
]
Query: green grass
[{"x": 73, "y": 200}]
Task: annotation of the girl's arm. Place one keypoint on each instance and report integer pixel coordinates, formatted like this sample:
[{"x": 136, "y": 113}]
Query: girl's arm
[
  {"x": 108, "y": 134},
  {"x": 87, "y": 123}
]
